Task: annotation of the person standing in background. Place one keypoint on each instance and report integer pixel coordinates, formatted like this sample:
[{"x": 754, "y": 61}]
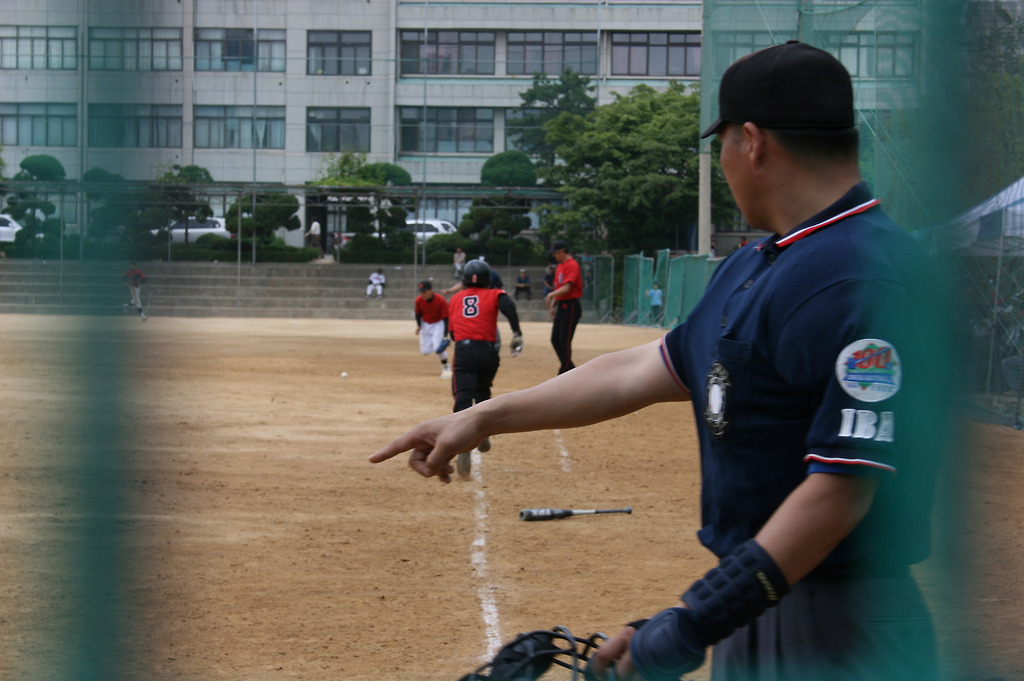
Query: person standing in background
[
  {"x": 459, "y": 261},
  {"x": 135, "y": 278},
  {"x": 655, "y": 295},
  {"x": 523, "y": 284},
  {"x": 313, "y": 235},
  {"x": 564, "y": 303}
]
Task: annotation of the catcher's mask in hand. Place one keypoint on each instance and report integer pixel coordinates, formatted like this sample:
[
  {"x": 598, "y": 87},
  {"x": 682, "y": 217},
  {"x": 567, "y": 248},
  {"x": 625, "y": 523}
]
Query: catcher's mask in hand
[{"x": 529, "y": 655}]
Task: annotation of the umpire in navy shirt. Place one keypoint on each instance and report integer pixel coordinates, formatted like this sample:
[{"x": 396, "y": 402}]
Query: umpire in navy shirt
[{"x": 813, "y": 371}]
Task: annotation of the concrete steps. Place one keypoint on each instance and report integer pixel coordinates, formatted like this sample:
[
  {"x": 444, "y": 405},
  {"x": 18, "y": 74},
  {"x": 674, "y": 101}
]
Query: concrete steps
[{"x": 320, "y": 290}]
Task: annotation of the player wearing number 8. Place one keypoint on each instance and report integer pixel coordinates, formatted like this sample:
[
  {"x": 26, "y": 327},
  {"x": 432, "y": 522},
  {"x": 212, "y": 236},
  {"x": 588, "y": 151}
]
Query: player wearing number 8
[{"x": 473, "y": 324}]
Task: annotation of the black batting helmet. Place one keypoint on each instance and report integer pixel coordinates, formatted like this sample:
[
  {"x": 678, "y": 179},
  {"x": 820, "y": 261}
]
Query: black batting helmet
[{"x": 476, "y": 273}]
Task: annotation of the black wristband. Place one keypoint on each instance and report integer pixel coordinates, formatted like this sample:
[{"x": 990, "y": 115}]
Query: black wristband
[
  {"x": 745, "y": 584},
  {"x": 636, "y": 624}
]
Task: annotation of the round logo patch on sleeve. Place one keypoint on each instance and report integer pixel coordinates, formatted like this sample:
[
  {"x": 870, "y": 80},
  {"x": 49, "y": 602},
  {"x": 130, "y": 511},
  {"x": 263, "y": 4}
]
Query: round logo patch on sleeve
[{"x": 869, "y": 370}]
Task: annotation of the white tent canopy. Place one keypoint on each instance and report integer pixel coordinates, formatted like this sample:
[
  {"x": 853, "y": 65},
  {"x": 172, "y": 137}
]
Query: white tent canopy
[{"x": 993, "y": 227}]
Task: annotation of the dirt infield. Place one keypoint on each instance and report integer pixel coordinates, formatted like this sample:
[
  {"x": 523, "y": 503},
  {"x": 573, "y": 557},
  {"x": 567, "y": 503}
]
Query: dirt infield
[{"x": 258, "y": 544}]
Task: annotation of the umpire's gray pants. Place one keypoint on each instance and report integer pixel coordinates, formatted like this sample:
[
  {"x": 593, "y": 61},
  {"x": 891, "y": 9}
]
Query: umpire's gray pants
[{"x": 863, "y": 629}]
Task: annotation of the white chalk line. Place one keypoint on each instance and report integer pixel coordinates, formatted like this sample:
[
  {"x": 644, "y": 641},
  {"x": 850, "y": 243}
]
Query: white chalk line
[
  {"x": 563, "y": 453},
  {"x": 488, "y": 604}
]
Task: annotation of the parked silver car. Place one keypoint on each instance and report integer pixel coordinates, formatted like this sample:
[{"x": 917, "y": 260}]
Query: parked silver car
[
  {"x": 428, "y": 228},
  {"x": 196, "y": 229}
]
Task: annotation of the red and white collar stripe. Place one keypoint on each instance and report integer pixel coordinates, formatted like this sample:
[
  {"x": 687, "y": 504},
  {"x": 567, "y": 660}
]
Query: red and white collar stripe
[{"x": 801, "y": 233}]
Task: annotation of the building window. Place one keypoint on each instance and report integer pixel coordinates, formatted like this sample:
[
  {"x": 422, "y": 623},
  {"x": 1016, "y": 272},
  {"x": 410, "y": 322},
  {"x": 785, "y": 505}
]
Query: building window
[
  {"x": 135, "y": 126},
  {"x": 39, "y": 47},
  {"x": 876, "y": 55},
  {"x": 552, "y": 52},
  {"x": 339, "y": 53},
  {"x": 236, "y": 127},
  {"x": 135, "y": 49},
  {"x": 656, "y": 54},
  {"x": 447, "y": 52},
  {"x": 447, "y": 130},
  {"x": 233, "y": 49},
  {"x": 731, "y": 45},
  {"x": 333, "y": 129},
  {"x": 43, "y": 125}
]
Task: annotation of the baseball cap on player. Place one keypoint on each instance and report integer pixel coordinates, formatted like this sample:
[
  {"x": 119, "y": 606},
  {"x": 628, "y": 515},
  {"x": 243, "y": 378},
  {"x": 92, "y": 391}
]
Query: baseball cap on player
[
  {"x": 560, "y": 245},
  {"x": 786, "y": 86},
  {"x": 426, "y": 285}
]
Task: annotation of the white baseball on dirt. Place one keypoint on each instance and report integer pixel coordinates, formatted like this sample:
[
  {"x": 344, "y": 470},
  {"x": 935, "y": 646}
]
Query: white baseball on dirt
[{"x": 344, "y": 374}]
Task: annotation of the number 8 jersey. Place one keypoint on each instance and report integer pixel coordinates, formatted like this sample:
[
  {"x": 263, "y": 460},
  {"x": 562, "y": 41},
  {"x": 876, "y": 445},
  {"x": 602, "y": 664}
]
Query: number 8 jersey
[{"x": 473, "y": 314}]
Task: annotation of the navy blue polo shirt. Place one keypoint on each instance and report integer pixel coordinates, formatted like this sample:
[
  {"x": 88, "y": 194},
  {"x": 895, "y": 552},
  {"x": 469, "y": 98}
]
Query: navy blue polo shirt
[{"x": 798, "y": 359}]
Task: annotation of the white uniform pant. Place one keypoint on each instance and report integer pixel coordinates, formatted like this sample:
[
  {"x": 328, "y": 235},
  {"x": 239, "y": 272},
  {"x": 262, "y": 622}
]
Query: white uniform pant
[{"x": 431, "y": 335}]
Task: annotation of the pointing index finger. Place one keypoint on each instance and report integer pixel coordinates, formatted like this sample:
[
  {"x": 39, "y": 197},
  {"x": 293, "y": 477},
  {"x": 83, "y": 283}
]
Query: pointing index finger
[{"x": 388, "y": 451}]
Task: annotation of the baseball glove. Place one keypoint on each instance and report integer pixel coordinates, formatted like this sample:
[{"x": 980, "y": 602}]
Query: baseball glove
[
  {"x": 529, "y": 655},
  {"x": 517, "y": 344},
  {"x": 442, "y": 346}
]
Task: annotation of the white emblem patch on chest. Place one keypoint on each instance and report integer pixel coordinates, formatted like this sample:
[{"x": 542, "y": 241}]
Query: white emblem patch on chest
[{"x": 716, "y": 393}]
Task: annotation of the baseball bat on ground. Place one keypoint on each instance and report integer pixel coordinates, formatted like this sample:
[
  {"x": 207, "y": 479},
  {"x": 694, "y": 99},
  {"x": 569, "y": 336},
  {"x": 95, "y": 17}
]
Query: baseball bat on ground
[{"x": 555, "y": 513}]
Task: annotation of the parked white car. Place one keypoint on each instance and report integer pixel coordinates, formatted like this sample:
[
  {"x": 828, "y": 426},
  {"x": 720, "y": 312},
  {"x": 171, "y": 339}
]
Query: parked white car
[
  {"x": 196, "y": 229},
  {"x": 8, "y": 228},
  {"x": 428, "y": 228}
]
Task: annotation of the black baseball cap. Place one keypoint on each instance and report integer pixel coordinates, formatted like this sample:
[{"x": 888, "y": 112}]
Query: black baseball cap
[
  {"x": 786, "y": 86},
  {"x": 560, "y": 245},
  {"x": 426, "y": 286}
]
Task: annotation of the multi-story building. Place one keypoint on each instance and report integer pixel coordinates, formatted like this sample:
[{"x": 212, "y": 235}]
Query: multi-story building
[{"x": 264, "y": 90}]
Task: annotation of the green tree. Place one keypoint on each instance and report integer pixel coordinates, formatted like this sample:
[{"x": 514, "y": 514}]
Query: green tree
[
  {"x": 545, "y": 101},
  {"x": 508, "y": 169},
  {"x": 382, "y": 174},
  {"x": 630, "y": 173},
  {"x": 498, "y": 219},
  {"x": 41, "y": 176},
  {"x": 273, "y": 210},
  {"x": 177, "y": 195},
  {"x": 112, "y": 205},
  {"x": 345, "y": 170},
  {"x": 372, "y": 211}
]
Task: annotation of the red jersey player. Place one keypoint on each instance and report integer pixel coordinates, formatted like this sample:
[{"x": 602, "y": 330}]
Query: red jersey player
[
  {"x": 564, "y": 303},
  {"x": 473, "y": 323},
  {"x": 432, "y": 324}
]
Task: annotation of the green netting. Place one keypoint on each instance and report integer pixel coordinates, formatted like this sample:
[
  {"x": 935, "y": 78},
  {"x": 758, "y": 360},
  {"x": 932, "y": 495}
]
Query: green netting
[
  {"x": 661, "y": 260},
  {"x": 901, "y": 55},
  {"x": 682, "y": 278},
  {"x": 675, "y": 291},
  {"x": 687, "y": 277},
  {"x": 638, "y": 273},
  {"x": 602, "y": 286},
  {"x": 939, "y": 93}
]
